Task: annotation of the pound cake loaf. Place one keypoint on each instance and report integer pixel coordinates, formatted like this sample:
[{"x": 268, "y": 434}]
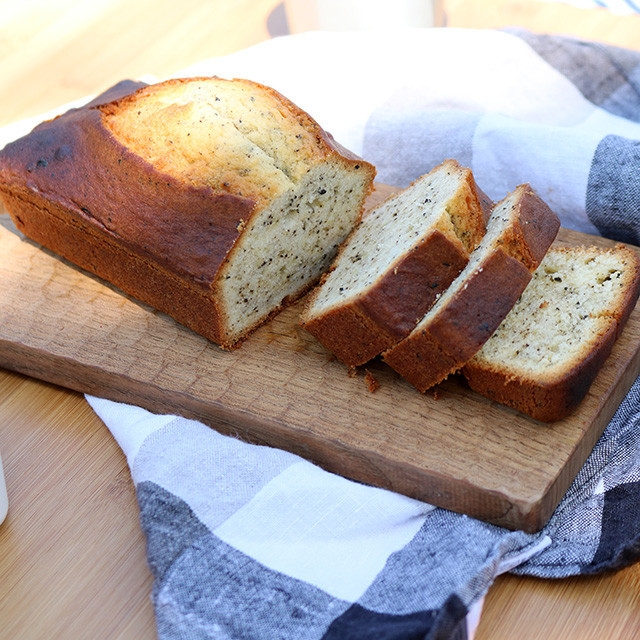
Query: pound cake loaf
[
  {"x": 519, "y": 233},
  {"x": 545, "y": 355},
  {"x": 402, "y": 256},
  {"x": 215, "y": 201}
]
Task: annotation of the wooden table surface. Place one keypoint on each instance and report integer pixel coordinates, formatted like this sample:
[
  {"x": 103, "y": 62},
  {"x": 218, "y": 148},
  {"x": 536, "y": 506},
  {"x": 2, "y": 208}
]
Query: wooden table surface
[{"x": 76, "y": 568}]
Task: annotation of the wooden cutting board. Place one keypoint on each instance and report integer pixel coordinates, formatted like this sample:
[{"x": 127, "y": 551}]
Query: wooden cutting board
[{"x": 281, "y": 388}]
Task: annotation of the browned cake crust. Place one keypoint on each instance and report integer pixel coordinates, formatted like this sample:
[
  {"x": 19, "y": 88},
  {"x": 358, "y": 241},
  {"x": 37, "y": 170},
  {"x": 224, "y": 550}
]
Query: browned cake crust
[
  {"x": 544, "y": 400},
  {"x": 81, "y": 211},
  {"x": 385, "y": 309},
  {"x": 75, "y": 187},
  {"x": 519, "y": 232},
  {"x": 550, "y": 322},
  {"x": 357, "y": 332}
]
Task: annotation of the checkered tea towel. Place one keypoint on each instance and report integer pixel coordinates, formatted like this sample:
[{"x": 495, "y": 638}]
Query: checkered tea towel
[{"x": 247, "y": 542}]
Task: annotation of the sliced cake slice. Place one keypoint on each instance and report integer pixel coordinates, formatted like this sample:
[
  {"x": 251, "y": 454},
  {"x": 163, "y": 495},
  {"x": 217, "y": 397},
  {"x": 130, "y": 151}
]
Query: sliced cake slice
[
  {"x": 545, "y": 355},
  {"x": 519, "y": 233},
  {"x": 405, "y": 252}
]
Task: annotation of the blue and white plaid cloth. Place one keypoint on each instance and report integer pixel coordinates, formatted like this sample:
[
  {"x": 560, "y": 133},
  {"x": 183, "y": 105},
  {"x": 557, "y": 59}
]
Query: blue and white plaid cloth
[{"x": 247, "y": 542}]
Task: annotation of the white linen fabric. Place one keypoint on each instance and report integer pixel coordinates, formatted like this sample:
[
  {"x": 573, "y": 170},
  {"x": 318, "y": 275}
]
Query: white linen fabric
[{"x": 249, "y": 542}]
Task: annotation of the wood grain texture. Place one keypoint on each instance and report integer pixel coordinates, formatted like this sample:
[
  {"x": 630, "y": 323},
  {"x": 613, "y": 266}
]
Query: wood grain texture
[
  {"x": 454, "y": 449},
  {"x": 56, "y": 51},
  {"x": 595, "y": 607},
  {"x": 53, "y": 51},
  {"x": 545, "y": 17},
  {"x": 72, "y": 559}
]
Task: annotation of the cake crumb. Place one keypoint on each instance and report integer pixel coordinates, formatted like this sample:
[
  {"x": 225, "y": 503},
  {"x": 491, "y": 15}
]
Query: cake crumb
[{"x": 371, "y": 381}]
